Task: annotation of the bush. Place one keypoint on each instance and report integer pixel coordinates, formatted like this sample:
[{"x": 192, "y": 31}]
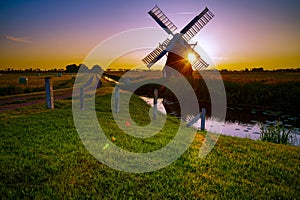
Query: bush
[
  {"x": 276, "y": 134},
  {"x": 279, "y": 96}
]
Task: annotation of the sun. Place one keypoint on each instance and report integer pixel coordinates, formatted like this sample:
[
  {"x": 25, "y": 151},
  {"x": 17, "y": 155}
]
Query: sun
[{"x": 191, "y": 57}]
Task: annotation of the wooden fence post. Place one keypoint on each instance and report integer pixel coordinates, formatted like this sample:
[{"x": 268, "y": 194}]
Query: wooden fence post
[
  {"x": 81, "y": 98},
  {"x": 203, "y": 113},
  {"x": 197, "y": 117},
  {"x": 49, "y": 93},
  {"x": 155, "y": 103},
  {"x": 117, "y": 100},
  {"x": 193, "y": 121}
]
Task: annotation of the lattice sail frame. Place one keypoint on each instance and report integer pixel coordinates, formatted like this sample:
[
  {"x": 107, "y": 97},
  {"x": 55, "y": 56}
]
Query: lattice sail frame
[{"x": 188, "y": 32}]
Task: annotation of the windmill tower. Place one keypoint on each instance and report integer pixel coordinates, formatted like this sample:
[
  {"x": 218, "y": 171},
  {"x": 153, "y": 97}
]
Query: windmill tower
[
  {"x": 178, "y": 48},
  {"x": 179, "y": 52}
]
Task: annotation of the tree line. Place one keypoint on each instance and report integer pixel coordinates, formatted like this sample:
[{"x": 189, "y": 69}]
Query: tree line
[
  {"x": 72, "y": 68},
  {"x": 261, "y": 69}
]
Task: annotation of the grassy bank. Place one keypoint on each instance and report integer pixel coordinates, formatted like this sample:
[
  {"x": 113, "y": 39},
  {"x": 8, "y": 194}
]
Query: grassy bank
[{"x": 42, "y": 157}]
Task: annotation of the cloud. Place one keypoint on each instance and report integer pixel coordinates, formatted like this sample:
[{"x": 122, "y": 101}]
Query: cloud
[
  {"x": 17, "y": 39},
  {"x": 187, "y": 13},
  {"x": 222, "y": 58}
]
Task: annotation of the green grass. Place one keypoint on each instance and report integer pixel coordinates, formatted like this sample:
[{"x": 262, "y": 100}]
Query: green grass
[
  {"x": 42, "y": 157},
  {"x": 279, "y": 96},
  {"x": 275, "y": 95}
]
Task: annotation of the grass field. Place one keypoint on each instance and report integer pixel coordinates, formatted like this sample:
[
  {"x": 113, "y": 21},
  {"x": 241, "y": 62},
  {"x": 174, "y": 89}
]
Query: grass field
[
  {"x": 240, "y": 77},
  {"x": 42, "y": 157},
  {"x": 9, "y": 82},
  {"x": 264, "y": 77},
  {"x": 270, "y": 90}
]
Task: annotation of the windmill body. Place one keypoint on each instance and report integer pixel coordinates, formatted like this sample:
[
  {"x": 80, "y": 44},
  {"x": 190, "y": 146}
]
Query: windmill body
[
  {"x": 177, "y": 50},
  {"x": 177, "y": 54}
]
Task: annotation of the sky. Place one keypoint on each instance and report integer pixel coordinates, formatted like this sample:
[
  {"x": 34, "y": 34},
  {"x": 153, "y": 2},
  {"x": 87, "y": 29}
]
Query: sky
[{"x": 243, "y": 33}]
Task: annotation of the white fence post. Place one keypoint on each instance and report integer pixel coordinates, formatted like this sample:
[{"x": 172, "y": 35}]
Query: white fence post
[
  {"x": 197, "y": 117},
  {"x": 155, "y": 103},
  {"x": 81, "y": 98},
  {"x": 49, "y": 93},
  {"x": 193, "y": 121},
  {"x": 117, "y": 100},
  {"x": 203, "y": 113}
]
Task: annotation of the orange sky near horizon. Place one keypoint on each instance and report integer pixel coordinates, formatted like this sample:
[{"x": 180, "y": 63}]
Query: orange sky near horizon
[{"x": 243, "y": 34}]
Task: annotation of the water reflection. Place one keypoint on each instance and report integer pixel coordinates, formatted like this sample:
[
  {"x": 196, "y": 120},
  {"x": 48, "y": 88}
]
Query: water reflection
[{"x": 245, "y": 122}]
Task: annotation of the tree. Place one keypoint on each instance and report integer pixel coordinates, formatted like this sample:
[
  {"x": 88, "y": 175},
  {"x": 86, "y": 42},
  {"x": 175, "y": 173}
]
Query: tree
[
  {"x": 260, "y": 69},
  {"x": 73, "y": 68},
  {"x": 97, "y": 69},
  {"x": 83, "y": 68}
]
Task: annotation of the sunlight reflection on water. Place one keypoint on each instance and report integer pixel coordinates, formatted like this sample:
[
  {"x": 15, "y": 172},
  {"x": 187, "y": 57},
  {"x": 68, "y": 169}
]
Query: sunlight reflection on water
[{"x": 236, "y": 128}]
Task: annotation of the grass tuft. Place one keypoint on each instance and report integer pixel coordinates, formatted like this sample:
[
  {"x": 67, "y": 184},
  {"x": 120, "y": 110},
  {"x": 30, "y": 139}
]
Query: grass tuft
[{"x": 277, "y": 134}]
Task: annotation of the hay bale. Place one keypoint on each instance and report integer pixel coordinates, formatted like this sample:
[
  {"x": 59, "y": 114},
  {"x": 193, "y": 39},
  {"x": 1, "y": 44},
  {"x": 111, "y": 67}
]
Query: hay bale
[{"x": 23, "y": 80}]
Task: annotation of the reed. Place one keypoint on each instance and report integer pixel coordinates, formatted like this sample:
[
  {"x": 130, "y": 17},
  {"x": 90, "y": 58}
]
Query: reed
[{"x": 276, "y": 134}]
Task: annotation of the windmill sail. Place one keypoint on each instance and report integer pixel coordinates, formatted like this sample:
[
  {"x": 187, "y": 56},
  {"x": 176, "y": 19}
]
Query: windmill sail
[
  {"x": 196, "y": 24},
  {"x": 182, "y": 38},
  {"x": 156, "y": 54},
  {"x": 199, "y": 64},
  {"x": 162, "y": 20}
]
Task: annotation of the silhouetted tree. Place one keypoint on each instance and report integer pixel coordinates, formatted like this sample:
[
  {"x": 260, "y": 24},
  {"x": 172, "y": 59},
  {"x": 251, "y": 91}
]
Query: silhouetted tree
[
  {"x": 83, "y": 68},
  {"x": 260, "y": 69},
  {"x": 73, "y": 68},
  {"x": 97, "y": 69}
]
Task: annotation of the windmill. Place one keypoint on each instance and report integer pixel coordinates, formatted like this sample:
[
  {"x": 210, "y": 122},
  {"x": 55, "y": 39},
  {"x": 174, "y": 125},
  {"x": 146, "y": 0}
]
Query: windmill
[{"x": 178, "y": 48}]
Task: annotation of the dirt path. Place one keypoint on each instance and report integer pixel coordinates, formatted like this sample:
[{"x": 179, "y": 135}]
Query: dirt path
[
  {"x": 11, "y": 103},
  {"x": 17, "y": 101}
]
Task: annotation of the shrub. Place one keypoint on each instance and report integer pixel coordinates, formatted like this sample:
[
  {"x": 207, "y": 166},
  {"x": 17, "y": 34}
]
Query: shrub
[{"x": 276, "y": 134}]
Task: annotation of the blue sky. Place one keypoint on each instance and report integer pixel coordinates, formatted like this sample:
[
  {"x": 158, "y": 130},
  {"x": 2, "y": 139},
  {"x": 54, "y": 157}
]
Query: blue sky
[{"x": 48, "y": 34}]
